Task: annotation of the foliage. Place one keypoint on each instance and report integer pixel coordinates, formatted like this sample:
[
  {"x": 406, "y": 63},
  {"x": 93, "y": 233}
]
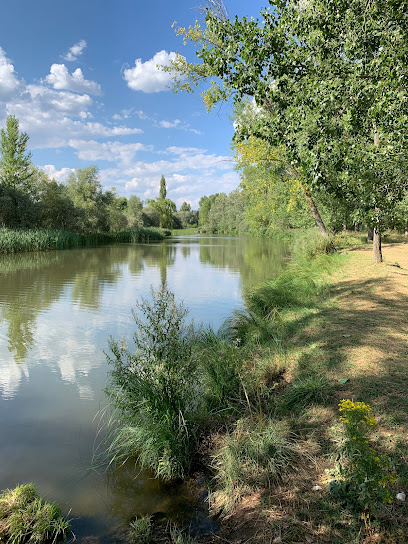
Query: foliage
[
  {"x": 85, "y": 191},
  {"x": 14, "y": 241},
  {"x": 154, "y": 390},
  {"x": 16, "y": 170},
  {"x": 164, "y": 207},
  {"x": 25, "y": 518},
  {"x": 135, "y": 212},
  {"x": 366, "y": 474},
  {"x": 328, "y": 85},
  {"x": 220, "y": 370}
]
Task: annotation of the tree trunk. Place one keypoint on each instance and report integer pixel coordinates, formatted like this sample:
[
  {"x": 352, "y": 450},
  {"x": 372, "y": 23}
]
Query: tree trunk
[
  {"x": 370, "y": 234},
  {"x": 315, "y": 211},
  {"x": 377, "y": 253}
]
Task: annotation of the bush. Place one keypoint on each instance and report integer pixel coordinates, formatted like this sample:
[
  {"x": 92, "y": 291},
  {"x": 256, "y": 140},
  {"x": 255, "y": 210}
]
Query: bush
[
  {"x": 365, "y": 475},
  {"x": 154, "y": 389},
  {"x": 140, "y": 531},
  {"x": 26, "y": 518}
]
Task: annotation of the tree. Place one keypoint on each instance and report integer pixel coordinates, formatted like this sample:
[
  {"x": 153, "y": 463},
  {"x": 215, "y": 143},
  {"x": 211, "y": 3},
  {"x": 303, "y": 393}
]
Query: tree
[
  {"x": 204, "y": 208},
  {"x": 135, "y": 212},
  {"x": 163, "y": 188},
  {"x": 54, "y": 207},
  {"x": 16, "y": 170},
  {"x": 85, "y": 190},
  {"x": 164, "y": 206},
  {"x": 328, "y": 84}
]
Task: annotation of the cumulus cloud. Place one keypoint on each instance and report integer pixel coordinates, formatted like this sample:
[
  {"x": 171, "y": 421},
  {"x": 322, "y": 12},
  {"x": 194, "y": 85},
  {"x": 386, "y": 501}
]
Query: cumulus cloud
[
  {"x": 60, "y": 78},
  {"x": 75, "y": 51},
  {"x": 8, "y": 79},
  {"x": 59, "y": 175},
  {"x": 147, "y": 77},
  {"x": 107, "y": 151}
]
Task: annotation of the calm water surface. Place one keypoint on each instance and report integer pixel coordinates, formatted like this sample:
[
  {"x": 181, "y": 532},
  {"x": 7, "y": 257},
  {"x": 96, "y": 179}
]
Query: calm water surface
[{"x": 57, "y": 311}]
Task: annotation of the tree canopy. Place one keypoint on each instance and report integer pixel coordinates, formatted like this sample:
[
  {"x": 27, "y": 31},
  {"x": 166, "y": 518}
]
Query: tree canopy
[{"x": 329, "y": 83}]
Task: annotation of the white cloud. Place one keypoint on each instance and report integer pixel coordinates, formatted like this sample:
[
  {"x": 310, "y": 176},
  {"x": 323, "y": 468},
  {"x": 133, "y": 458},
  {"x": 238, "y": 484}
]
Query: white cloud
[
  {"x": 60, "y": 78},
  {"x": 75, "y": 51},
  {"x": 170, "y": 124},
  {"x": 107, "y": 151},
  {"x": 184, "y": 151},
  {"x": 8, "y": 81},
  {"x": 59, "y": 175},
  {"x": 146, "y": 77},
  {"x": 49, "y": 101}
]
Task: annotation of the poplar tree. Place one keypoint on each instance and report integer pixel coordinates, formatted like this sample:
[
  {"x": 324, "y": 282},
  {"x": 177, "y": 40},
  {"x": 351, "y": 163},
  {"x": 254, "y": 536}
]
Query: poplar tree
[{"x": 16, "y": 170}]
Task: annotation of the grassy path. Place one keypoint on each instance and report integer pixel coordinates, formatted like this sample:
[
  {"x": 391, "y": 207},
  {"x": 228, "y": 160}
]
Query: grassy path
[{"x": 356, "y": 332}]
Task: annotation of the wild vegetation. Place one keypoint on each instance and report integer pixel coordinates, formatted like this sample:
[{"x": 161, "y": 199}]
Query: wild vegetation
[
  {"x": 16, "y": 240},
  {"x": 25, "y": 518},
  {"x": 37, "y": 212}
]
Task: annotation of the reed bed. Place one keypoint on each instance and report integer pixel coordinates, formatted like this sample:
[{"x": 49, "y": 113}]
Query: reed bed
[{"x": 19, "y": 240}]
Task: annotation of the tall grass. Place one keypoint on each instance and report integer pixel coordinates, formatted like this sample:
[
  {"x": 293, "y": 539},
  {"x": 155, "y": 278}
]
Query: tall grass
[
  {"x": 25, "y": 518},
  {"x": 18, "y": 240},
  {"x": 153, "y": 389},
  {"x": 257, "y": 453}
]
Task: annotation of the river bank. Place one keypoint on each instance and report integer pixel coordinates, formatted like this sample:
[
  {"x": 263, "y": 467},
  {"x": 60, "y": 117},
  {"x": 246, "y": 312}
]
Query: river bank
[
  {"x": 21, "y": 240},
  {"x": 281, "y": 470},
  {"x": 350, "y": 342}
]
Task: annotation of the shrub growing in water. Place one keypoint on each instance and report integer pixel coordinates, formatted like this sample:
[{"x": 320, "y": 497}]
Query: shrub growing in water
[{"x": 153, "y": 389}]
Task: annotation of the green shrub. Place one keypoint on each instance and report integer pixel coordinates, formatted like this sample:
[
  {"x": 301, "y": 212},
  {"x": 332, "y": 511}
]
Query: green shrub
[
  {"x": 25, "y": 518},
  {"x": 17, "y": 240},
  {"x": 365, "y": 475},
  {"x": 154, "y": 389}
]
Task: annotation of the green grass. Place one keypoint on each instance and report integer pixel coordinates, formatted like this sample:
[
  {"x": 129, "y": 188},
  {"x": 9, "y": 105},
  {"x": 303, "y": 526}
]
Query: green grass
[
  {"x": 256, "y": 454},
  {"x": 140, "y": 531},
  {"x": 25, "y": 518},
  {"x": 184, "y": 232},
  {"x": 15, "y": 241}
]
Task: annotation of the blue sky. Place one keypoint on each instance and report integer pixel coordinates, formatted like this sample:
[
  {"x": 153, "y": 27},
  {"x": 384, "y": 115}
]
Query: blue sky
[{"x": 81, "y": 77}]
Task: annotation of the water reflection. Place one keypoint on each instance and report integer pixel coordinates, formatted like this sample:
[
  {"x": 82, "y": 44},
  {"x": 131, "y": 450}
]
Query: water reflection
[{"x": 57, "y": 311}]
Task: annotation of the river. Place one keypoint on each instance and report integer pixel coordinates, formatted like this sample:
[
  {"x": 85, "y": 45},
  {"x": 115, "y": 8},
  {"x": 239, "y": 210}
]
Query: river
[{"x": 57, "y": 311}]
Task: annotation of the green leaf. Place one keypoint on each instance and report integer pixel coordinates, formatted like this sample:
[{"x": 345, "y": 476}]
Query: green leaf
[{"x": 343, "y": 380}]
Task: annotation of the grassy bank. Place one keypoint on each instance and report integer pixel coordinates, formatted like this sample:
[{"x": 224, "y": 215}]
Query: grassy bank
[
  {"x": 262, "y": 410},
  {"x": 293, "y": 467},
  {"x": 185, "y": 232},
  {"x": 14, "y": 241}
]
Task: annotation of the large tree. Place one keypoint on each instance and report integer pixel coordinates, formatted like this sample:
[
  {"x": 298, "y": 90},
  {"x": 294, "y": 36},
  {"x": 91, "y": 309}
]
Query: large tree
[
  {"x": 329, "y": 81},
  {"x": 16, "y": 169}
]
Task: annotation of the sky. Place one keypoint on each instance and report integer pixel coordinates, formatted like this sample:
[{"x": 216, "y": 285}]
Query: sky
[{"x": 81, "y": 77}]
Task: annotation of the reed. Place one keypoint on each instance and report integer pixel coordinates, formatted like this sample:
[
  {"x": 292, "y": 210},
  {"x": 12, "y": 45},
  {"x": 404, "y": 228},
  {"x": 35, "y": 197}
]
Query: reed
[{"x": 19, "y": 240}]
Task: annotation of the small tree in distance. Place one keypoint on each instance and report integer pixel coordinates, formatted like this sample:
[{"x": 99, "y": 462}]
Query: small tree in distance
[{"x": 16, "y": 170}]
